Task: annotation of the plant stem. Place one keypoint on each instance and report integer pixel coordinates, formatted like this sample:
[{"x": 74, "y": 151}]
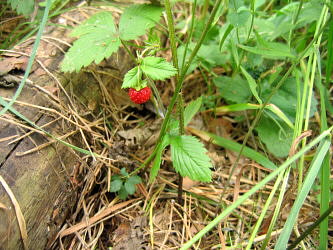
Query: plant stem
[
  {"x": 180, "y": 110},
  {"x": 175, "y": 61}
]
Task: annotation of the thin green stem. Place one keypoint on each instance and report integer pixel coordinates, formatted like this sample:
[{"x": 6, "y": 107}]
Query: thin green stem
[
  {"x": 187, "y": 65},
  {"x": 129, "y": 52},
  {"x": 194, "y": 7}
]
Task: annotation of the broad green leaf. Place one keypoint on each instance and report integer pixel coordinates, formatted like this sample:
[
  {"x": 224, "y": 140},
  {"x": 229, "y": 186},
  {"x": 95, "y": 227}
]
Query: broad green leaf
[
  {"x": 25, "y": 7},
  {"x": 123, "y": 172},
  {"x": 134, "y": 179},
  {"x": 286, "y": 98},
  {"x": 129, "y": 187},
  {"x": 122, "y": 193},
  {"x": 132, "y": 78},
  {"x": 115, "y": 185},
  {"x": 189, "y": 158},
  {"x": 98, "y": 40},
  {"x": 307, "y": 185},
  {"x": 191, "y": 109},
  {"x": 157, "y": 68},
  {"x": 272, "y": 51},
  {"x": 234, "y": 90},
  {"x": 276, "y": 135},
  {"x": 158, "y": 158},
  {"x": 136, "y": 19},
  {"x": 236, "y": 147},
  {"x": 252, "y": 84},
  {"x": 239, "y": 18},
  {"x": 249, "y": 106}
]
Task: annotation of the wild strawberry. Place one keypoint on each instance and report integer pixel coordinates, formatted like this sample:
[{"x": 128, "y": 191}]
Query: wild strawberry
[{"x": 141, "y": 96}]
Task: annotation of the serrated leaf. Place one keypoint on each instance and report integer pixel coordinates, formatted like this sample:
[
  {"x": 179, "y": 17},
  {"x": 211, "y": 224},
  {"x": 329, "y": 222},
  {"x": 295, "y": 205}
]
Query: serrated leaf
[
  {"x": 115, "y": 185},
  {"x": 136, "y": 19},
  {"x": 157, "y": 68},
  {"x": 252, "y": 84},
  {"x": 191, "y": 109},
  {"x": 134, "y": 179},
  {"x": 132, "y": 78},
  {"x": 122, "y": 193},
  {"x": 98, "y": 40},
  {"x": 189, "y": 158},
  {"x": 25, "y": 7},
  {"x": 158, "y": 158},
  {"x": 129, "y": 187}
]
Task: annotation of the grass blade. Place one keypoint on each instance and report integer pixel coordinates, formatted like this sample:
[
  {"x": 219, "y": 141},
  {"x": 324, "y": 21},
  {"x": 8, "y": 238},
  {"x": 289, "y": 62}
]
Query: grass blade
[
  {"x": 308, "y": 182},
  {"x": 253, "y": 190},
  {"x": 31, "y": 59}
]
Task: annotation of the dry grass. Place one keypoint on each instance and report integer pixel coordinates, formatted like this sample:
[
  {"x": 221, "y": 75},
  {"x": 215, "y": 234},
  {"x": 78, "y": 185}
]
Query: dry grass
[{"x": 152, "y": 218}]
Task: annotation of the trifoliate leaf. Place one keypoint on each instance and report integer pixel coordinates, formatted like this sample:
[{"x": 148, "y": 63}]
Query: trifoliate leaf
[
  {"x": 132, "y": 78},
  {"x": 157, "y": 68},
  {"x": 189, "y": 158},
  {"x": 130, "y": 187},
  {"x": 158, "y": 158},
  {"x": 98, "y": 40},
  {"x": 136, "y": 19},
  {"x": 191, "y": 110},
  {"x": 134, "y": 179},
  {"x": 24, "y": 7},
  {"x": 115, "y": 185}
]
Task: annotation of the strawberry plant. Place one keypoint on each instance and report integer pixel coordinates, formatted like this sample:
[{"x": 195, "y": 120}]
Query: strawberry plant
[
  {"x": 268, "y": 73},
  {"x": 99, "y": 37}
]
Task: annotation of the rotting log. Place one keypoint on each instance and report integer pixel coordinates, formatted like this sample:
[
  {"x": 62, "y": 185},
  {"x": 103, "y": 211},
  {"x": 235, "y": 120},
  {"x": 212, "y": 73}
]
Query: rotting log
[{"x": 41, "y": 181}]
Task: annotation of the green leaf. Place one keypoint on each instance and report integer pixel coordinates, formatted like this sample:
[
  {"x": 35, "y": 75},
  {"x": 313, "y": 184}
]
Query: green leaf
[
  {"x": 134, "y": 179},
  {"x": 272, "y": 50},
  {"x": 234, "y": 90},
  {"x": 310, "y": 178},
  {"x": 236, "y": 147},
  {"x": 286, "y": 98},
  {"x": 25, "y": 7},
  {"x": 252, "y": 84},
  {"x": 158, "y": 158},
  {"x": 136, "y": 19},
  {"x": 130, "y": 187},
  {"x": 239, "y": 18},
  {"x": 191, "y": 109},
  {"x": 157, "y": 68},
  {"x": 115, "y": 185},
  {"x": 123, "y": 172},
  {"x": 122, "y": 193},
  {"x": 189, "y": 158},
  {"x": 132, "y": 78},
  {"x": 277, "y": 136},
  {"x": 98, "y": 40}
]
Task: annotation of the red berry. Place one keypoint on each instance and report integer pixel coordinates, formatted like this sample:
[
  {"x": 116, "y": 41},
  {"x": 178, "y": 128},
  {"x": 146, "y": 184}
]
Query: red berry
[{"x": 141, "y": 96}]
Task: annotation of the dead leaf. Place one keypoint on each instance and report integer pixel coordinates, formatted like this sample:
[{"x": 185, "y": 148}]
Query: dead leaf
[{"x": 188, "y": 183}]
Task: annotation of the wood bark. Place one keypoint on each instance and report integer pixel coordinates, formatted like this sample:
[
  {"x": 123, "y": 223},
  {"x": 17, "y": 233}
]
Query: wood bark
[{"x": 42, "y": 181}]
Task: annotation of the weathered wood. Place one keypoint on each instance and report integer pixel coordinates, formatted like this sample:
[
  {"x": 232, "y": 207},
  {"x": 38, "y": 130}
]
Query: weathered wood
[{"x": 41, "y": 181}]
